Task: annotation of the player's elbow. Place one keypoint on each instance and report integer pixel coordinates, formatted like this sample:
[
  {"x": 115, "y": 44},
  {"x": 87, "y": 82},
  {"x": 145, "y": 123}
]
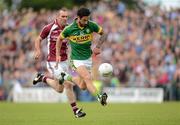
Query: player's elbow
[{"x": 39, "y": 39}]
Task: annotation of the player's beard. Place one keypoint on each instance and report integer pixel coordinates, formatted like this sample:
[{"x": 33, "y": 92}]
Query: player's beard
[
  {"x": 63, "y": 23},
  {"x": 82, "y": 25}
]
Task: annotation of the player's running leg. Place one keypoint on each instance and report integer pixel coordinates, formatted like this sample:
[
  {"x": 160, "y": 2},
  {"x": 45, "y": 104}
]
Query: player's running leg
[
  {"x": 61, "y": 74},
  {"x": 79, "y": 82},
  {"x": 59, "y": 88},
  {"x": 86, "y": 76},
  {"x": 73, "y": 79},
  {"x": 50, "y": 81},
  {"x": 72, "y": 100}
]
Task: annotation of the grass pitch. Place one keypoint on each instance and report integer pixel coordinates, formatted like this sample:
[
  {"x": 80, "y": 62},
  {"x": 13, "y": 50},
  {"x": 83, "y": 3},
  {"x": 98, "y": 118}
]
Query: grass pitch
[{"x": 113, "y": 114}]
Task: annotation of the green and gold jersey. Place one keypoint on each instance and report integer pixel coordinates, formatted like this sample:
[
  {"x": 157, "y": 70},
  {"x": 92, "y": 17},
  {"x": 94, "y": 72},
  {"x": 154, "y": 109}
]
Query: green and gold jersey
[{"x": 80, "y": 39}]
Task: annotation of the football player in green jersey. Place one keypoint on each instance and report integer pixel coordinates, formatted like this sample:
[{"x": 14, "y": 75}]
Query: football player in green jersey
[{"x": 80, "y": 34}]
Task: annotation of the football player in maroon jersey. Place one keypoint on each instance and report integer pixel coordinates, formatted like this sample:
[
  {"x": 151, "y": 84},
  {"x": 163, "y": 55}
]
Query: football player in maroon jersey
[{"x": 51, "y": 33}]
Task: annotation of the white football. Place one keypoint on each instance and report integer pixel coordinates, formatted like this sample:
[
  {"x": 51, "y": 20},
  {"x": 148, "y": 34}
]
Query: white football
[{"x": 105, "y": 69}]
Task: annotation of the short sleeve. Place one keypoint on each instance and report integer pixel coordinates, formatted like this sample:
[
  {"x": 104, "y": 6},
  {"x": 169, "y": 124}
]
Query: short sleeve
[
  {"x": 45, "y": 31},
  {"x": 95, "y": 27},
  {"x": 65, "y": 32}
]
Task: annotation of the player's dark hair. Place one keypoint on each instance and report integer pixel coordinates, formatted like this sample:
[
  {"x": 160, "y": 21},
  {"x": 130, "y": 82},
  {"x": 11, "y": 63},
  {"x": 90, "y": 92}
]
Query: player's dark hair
[{"x": 83, "y": 12}]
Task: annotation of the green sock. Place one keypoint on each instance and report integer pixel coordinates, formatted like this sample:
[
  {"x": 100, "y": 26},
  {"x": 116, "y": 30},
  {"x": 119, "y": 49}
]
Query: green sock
[
  {"x": 96, "y": 93},
  {"x": 68, "y": 77}
]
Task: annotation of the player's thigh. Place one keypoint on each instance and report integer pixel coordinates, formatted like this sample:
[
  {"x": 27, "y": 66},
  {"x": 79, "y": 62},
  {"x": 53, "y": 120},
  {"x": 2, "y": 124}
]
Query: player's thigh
[
  {"x": 77, "y": 63},
  {"x": 83, "y": 67},
  {"x": 83, "y": 72},
  {"x": 68, "y": 85},
  {"x": 79, "y": 82}
]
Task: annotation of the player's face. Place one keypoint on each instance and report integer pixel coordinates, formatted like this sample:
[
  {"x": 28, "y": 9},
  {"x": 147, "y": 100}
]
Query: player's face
[
  {"x": 83, "y": 21},
  {"x": 62, "y": 17}
]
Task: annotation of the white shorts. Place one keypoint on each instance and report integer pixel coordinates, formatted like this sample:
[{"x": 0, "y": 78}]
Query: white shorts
[
  {"x": 76, "y": 63},
  {"x": 56, "y": 72}
]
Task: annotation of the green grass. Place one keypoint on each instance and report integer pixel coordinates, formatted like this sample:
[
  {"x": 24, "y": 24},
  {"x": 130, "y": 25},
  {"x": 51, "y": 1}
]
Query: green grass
[{"x": 113, "y": 114}]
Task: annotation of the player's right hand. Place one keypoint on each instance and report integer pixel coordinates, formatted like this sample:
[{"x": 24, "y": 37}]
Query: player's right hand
[
  {"x": 58, "y": 59},
  {"x": 96, "y": 51},
  {"x": 37, "y": 55}
]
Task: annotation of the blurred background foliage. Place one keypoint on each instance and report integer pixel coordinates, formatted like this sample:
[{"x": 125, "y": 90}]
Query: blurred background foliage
[{"x": 54, "y": 4}]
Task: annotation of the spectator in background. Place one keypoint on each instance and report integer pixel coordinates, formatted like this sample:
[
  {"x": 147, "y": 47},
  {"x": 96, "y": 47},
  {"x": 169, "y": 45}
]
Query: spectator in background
[
  {"x": 121, "y": 8},
  {"x": 2, "y": 93},
  {"x": 176, "y": 82},
  {"x": 150, "y": 36}
]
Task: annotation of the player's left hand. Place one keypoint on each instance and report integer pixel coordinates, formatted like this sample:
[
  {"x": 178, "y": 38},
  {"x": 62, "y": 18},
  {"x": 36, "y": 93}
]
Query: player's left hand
[
  {"x": 58, "y": 59},
  {"x": 96, "y": 51},
  {"x": 37, "y": 54}
]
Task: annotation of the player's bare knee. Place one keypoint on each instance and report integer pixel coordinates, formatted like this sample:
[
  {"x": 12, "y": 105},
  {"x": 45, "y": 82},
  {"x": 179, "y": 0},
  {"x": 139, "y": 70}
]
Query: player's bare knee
[
  {"x": 68, "y": 85},
  {"x": 59, "y": 90},
  {"x": 87, "y": 77},
  {"x": 82, "y": 87}
]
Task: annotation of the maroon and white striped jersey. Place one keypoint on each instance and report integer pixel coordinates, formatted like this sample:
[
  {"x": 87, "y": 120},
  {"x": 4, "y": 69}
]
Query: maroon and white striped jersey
[{"x": 51, "y": 33}]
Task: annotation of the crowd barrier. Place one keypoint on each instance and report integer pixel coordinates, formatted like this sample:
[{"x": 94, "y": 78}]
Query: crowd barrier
[{"x": 127, "y": 95}]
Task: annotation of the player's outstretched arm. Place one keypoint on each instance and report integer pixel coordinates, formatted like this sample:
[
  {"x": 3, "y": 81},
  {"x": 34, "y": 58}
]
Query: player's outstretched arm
[
  {"x": 37, "y": 51},
  {"x": 102, "y": 39},
  {"x": 58, "y": 47},
  {"x": 44, "y": 33}
]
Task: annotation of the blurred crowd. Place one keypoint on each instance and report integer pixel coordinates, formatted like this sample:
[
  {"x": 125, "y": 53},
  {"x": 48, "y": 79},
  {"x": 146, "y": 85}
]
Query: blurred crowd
[{"x": 143, "y": 45}]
